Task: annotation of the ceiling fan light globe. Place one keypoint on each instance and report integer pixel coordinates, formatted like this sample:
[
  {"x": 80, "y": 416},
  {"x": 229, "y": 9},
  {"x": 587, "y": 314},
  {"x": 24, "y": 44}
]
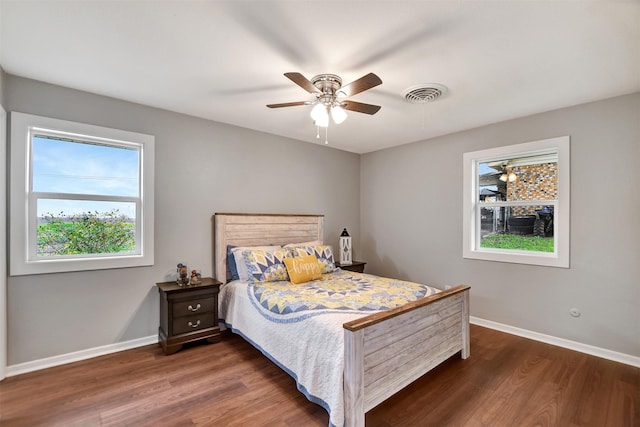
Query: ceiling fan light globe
[
  {"x": 323, "y": 122},
  {"x": 319, "y": 113},
  {"x": 338, "y": 114}
]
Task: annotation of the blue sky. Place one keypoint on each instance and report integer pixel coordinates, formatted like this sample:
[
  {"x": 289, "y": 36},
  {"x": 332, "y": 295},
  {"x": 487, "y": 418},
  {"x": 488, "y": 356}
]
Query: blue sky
[
  {"x": 483, "y": 168},
  {"x": 84, "y": 168}
]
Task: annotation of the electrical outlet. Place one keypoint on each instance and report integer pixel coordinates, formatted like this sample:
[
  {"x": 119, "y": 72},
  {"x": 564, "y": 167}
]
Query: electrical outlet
[{"x": 574, "y": 312}]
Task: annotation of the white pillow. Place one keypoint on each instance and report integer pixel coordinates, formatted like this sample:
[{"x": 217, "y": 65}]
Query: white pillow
[{"x": 241, "y": 266}]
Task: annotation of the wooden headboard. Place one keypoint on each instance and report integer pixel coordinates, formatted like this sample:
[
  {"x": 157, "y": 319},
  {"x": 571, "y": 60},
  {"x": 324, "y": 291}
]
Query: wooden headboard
[{"x": 239, "y": 229}]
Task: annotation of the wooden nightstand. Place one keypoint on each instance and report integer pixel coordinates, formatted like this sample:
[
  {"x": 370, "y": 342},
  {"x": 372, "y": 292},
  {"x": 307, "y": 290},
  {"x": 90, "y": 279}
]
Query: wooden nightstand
[
  {"x": 357, "y": 266},
  {"x": 188, "y": 313}
]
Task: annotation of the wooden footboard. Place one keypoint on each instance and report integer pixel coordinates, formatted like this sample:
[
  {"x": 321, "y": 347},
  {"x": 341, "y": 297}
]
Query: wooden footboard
[{"x": 385, "y": 352}]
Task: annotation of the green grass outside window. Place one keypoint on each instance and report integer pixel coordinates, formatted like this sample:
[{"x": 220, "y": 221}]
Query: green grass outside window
[{"x": 517, "y": 242}]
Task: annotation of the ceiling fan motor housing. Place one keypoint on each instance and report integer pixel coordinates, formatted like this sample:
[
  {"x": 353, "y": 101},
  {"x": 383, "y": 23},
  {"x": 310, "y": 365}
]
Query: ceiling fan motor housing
[{"x": 327, "y": 83}]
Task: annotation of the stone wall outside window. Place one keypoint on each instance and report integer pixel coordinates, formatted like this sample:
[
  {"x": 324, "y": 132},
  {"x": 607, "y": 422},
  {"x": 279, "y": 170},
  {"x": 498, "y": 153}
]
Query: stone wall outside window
[{"x": 533, "y": 182}]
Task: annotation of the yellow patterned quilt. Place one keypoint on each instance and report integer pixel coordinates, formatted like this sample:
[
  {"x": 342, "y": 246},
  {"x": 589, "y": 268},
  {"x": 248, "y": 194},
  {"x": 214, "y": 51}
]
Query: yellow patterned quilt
[{"x": 338, "y": 291}]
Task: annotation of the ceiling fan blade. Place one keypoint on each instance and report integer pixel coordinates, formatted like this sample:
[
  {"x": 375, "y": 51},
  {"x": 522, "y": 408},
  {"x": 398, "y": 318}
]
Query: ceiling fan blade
[
  {"x": 287, "y": 104},
  {"x": 302, "y": 81},
  {"x": 360, "y": 107},
  {"x": 362, "y": 84}
]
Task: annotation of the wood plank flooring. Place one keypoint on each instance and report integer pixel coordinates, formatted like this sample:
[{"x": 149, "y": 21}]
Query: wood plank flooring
[{"x": 508, "y": 381}]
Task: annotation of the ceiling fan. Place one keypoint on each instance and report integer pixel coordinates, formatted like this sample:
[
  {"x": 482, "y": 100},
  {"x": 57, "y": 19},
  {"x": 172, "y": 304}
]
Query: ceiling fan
[{"x": 330, "y": 96}]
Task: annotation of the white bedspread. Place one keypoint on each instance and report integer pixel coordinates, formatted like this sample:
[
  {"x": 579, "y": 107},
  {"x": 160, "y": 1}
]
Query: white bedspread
[
  {"x": 317, "y": 364},
  {"x": 299, "y": 327}
]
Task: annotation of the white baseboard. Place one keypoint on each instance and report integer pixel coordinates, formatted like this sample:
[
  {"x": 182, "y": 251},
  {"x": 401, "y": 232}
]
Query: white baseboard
[
  {"x": 35, "y": 365},
  {"x": 627, "y": 359},
  {"x": 62, "y": 359}
]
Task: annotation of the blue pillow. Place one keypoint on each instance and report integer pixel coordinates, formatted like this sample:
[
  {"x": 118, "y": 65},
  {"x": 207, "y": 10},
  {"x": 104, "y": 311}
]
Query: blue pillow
[{"x": 231, "y": 263}]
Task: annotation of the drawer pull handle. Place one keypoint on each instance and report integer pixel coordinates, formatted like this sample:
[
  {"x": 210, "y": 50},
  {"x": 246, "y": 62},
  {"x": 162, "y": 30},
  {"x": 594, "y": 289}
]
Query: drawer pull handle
[
  {"x": 190, "y": 308},
  {"x": 194, "y": 325}
]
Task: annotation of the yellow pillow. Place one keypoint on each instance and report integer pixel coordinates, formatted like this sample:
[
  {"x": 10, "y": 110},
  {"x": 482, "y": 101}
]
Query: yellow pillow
[{"x": 303, "y": 268}]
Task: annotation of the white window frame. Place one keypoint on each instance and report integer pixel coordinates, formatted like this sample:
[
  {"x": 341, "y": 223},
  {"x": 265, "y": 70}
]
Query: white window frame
[
  {"x": 472, "y": 206},
  {"x": 23, "y": 201}
]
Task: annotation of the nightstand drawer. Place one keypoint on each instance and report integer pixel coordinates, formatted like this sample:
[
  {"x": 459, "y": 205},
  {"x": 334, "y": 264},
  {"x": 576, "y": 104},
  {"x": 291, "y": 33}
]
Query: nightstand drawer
[
  {"x": 196, "y": 306},
  {"x": 186, "y": 324}
]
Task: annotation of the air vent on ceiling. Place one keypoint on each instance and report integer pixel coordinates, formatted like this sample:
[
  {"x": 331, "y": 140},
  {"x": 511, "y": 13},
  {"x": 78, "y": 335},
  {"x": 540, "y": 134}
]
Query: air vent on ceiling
[{"x": 424, "y": 93}]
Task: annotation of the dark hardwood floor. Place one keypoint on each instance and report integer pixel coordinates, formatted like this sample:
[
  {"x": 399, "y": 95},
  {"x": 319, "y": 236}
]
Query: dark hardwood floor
[{"x": 508, "y": 381}]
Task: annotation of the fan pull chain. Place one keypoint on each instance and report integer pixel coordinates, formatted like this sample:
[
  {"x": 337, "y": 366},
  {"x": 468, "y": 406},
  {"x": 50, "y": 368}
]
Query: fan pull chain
[
  {"x": 326, "y": 135},
  {"x": 317, "y": 132}
]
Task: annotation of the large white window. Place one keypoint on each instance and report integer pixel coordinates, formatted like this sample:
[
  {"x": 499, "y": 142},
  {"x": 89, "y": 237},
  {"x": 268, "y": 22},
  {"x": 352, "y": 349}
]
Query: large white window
[
  {"x": 81, "y": 196},
  {"x": 516, "y": 203}
]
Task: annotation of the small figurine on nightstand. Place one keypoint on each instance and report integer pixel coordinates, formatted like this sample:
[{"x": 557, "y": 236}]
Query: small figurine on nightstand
[
  {"x": 196, "y": 277},
  {"x": 183, "y": 274}
]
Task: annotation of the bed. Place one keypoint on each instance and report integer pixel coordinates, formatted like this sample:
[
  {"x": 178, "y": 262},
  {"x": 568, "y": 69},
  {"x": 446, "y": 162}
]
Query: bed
[{"x": 366, "y": 356}]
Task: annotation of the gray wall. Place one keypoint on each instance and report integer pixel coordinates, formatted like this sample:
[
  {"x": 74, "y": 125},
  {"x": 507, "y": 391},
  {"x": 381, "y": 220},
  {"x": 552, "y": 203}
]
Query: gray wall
[
  {"x": 407, "y": 223},
  {"x": 411, "y": 225},
  {"x": 202, "y": 167},
  {"x": 3, "y": 236},
  {"x": 3, "y": 76}
]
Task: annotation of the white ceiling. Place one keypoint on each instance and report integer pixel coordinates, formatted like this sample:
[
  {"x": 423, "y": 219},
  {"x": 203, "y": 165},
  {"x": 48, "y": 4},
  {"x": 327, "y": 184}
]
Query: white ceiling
[{"x": 224, "y": 60}]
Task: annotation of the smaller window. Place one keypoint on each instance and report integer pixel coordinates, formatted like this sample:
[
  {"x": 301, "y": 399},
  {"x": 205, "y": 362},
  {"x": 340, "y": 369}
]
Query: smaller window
[
  {"x": 516, "y": 203},
  {"x": 87, "y": 201}
]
